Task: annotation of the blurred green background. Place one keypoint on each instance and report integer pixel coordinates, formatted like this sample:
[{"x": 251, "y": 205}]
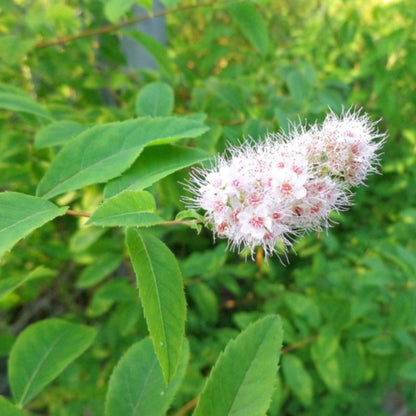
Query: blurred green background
[{"x": 347, "y": 298}]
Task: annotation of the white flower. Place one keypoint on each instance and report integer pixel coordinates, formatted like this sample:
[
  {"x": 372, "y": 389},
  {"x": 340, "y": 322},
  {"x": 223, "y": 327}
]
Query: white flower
[{"x": 267, "y": 193}]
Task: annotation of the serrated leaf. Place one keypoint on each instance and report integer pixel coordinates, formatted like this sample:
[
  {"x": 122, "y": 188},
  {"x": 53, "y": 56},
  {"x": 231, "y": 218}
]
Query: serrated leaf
[
  {"x": 105, "y": 151},
  {"x": 20, "y": 214},
  {"x": 162, "y": 295},
  {"x": 10, "y": 284},
  {"x": 155, "y": 163},
  {"x": 157, "y": 50},
  {"x": 14, "y": 99},
  {"x": 155, "y": 99},
  {"x": 137, "y": 387},
  {"x": 243, "y": 379},
  {"x": 252, "y": 24},
  {"x": 297, "y": 378},
  {"x": 9, "y": 409},
  {"x": 41, "y": 352},
  {"x": 57, "y": 133},
  {"x": 128, "y": 209}
]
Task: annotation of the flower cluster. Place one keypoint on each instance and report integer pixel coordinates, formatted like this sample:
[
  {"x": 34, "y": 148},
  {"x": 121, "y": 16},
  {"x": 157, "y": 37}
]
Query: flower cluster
[{"x": 267, "y": 193}]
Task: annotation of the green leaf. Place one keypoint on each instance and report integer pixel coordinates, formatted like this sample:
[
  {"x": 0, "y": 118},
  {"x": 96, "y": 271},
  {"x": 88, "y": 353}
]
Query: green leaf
[
  {"x": 57, "y": 133},
  {"x": 303, "y": 306},
  {"x": 137, "y": 387},
  {"x": 115, "y": 9},
  {"x": 326, "y": 344},
  {"x": 161, "y": 291},
  {"x": 13, "y": 48},
  {"x": 156, "y": 49},
  {"x": 155, "y": 163},
  {"x": 10, "y": 284},
  {"x": 229, "y": 91},
  {"x": 323, "y": 353},
  {"x": 41, "y": 352},
  {"x": 299, "y": 86},
  {"x": 205, "y": 300},
  {"x": 297, "y": 378},
  {"x": 130, "y": 208},
  {"x": 14, "y": 99},
  {"x": 147, "y": 4},
  {"x": 156, "y": 99},
  {"x": 408, "y": 370},
  {"x": 243, "y": 379},
  {"x": 105, "y": 151},
  {"x": 9, "y": 409},
  {"x": 252, "y": 25},
  {"x": 329, "y": 371},
  {"x": 20, "y": 214},
  {"x": 382, "y": 345},
  {"x": 115, "y": 290},
  {"x": 97, "y": 271}
]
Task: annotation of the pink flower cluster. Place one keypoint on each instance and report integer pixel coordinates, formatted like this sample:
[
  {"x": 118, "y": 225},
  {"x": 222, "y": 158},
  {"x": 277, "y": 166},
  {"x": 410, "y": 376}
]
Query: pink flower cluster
[{"x": 267, "y": 193}]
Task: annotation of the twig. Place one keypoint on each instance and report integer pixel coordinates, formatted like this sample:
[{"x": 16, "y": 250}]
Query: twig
[
  {"x": 300, "y": 344},
  {"x": 188, "y": 406},
  {"x": 165, "y": 223},
  {"x": 186, "y": 222},
  {"x": 137, "y": 19},
  {"x": 78, "y": 213}
]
